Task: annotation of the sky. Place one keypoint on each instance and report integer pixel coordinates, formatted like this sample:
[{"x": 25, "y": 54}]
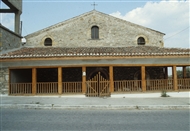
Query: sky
[{"x": 168, "y": 16}]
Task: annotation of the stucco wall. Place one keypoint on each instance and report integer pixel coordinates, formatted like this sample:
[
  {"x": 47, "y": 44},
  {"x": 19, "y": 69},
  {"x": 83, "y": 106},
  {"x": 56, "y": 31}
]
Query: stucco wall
[
  {"x": 17, "y": 4},
  {"x": 97, "y": 62},
  {"x": 76, "y": 32},
  {"x": 4, "y": 80}
]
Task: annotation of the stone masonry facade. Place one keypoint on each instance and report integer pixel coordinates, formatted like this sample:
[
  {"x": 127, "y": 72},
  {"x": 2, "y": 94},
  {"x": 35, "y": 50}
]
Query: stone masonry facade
[
  {"x": 8, "y": 39},
  {"x": 4, "y": 80},
  {"x": 113, "y": 32}
]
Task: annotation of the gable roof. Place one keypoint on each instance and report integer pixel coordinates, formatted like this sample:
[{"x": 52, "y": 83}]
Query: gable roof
[
  {"x": 87, "y": 14},
  {"x": 58, "y": 52}
]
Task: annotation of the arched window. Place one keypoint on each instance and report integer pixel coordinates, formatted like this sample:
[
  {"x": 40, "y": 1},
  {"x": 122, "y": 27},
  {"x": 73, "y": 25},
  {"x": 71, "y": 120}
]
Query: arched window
[
  {"x": 141, "y": 41},
  {"x": 94, "y": 32},
  {"x": 48, "y": 42}
]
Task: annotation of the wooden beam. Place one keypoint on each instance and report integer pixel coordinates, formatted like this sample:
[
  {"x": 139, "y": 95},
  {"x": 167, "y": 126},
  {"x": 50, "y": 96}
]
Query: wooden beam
[
  {"x": 143, "y": 78},
  {"x": 84, "y": 79},
  {"x": 34, "y": 81},
  {"x": 174, "y": 78},
  {"x": 60, "y": 80},
  {"x": 184, "y": 72},
  {"x": 111, "y": 78}
]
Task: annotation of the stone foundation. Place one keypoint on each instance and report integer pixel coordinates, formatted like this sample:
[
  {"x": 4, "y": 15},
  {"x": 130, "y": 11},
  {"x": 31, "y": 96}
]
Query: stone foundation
[{"x": 4, "y": 80}]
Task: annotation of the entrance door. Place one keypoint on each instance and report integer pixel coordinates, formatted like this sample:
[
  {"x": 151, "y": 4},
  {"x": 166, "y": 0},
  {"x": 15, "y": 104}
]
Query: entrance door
[{"x": 97, "y": 86}]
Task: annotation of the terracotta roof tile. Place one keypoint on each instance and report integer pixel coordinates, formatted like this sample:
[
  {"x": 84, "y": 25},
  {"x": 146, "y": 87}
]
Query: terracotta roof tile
[{"x": 40, "y": 52}]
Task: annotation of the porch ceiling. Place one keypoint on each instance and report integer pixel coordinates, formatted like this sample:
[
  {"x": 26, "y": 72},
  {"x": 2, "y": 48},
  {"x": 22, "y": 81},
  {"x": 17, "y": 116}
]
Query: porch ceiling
[{"x": 52, "y": 52}]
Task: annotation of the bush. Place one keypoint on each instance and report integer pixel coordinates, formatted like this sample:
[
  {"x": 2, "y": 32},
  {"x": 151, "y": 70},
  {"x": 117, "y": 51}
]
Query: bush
[{"x": 164, "y": 94}]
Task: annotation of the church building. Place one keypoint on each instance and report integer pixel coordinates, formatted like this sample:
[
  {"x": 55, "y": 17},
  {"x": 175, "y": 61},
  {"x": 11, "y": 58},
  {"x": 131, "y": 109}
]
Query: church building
[{"x": 96, "y": 55}]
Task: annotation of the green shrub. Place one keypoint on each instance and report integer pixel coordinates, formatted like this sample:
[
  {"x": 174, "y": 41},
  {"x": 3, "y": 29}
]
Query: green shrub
[{"x": 164, "y": 94}]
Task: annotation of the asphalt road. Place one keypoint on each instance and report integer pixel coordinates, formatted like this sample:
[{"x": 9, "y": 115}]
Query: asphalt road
[{"x": 30, "y": 119}]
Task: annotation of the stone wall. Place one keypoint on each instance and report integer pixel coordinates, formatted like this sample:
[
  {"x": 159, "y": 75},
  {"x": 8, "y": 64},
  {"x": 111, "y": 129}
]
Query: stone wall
[
  {"x": 4, "y": 80},
  {"x": 8, "y": 39},
  {"x": 113, "y": 32}
]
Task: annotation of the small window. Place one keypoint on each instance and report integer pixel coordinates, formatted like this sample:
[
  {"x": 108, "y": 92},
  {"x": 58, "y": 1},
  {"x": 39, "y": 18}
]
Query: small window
[
  {"x": 95, "y": 32},
  {"x": 48, "y": 42},
  {"x": 141, "y": 41}
]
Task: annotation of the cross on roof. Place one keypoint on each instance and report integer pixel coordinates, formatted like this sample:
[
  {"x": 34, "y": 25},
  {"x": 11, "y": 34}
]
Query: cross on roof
[{"x": 94, "y": 4}]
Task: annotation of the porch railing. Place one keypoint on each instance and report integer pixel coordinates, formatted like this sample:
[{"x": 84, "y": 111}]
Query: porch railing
[
  {"x": 47, "y": 87},
  {"x": 183, "y": 84},
  {"x": 20, "y": 88},
  {"x": 127, "y": 85},
  {"x": 72, "y": 87},
  {"x": 161, "y": 84}
]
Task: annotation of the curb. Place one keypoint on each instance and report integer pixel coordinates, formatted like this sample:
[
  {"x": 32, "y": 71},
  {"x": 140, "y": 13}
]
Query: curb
[{"x": 126, "y": 107}]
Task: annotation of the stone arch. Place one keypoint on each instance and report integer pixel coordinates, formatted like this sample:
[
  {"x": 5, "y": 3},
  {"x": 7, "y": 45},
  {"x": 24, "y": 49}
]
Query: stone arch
[
  {"x": 45, "y": 38},
  {"x": 136, "y": 75},
  {"x": 91, "y": 24},
  {"x": 141, "y": 36},
  {"x": 102, "y": 71}
]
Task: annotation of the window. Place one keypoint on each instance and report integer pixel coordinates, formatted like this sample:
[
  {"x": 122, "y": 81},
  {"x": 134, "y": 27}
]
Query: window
[
  {"x": 95, "y": 32},
  {"x": 48, "y": 42},
  {"x": 141, "y": 41}
]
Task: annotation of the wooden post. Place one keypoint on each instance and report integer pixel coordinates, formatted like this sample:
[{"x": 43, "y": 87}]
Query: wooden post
[
  {"x": 9, "y": 82},
  {"x": 184, "y": 72},
  {"x": 60, "y": 80},
  {"x": 174, "y": 78},
  {"x": 166, "y": 72},
  {"x": 143, "y": 78},
  {"x": 34, "y": 81},
  {"x": 83, "y": 79},
  {"x": 111, "y": 78}
]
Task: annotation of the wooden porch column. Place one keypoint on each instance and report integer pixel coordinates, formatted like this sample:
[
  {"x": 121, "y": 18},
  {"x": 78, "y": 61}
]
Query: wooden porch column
[
  {"x": 174, "y": 78},
  {"x": 60, "y": 80},
  {"x": 143, "y": 78},
  {"x": 166, "y": 72},
  {"x": 184, "y": 72},
  {"x": 111, "y": 78},
  {"x": 34, "y": 81},
  {"x": 83, "y": 79}
]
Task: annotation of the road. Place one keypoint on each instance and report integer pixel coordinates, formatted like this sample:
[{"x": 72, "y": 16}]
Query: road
[{"x": 31, "y": 119}]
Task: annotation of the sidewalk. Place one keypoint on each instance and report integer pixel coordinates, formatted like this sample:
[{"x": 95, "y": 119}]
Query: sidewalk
[{"x": 148, "y": 101}]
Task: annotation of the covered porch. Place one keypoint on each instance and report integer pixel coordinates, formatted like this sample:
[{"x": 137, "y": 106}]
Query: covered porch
[{"x": 74, "y": 80}]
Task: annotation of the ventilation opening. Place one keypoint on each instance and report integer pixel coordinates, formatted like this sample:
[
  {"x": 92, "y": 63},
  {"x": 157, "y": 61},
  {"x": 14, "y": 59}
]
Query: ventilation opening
[
  {"x": 48, "y": 42},
  {"x": 141, "y": 41}
]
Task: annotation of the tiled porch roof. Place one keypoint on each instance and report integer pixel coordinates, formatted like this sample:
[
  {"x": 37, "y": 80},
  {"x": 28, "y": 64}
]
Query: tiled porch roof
[{"x": 46, "y": 52}]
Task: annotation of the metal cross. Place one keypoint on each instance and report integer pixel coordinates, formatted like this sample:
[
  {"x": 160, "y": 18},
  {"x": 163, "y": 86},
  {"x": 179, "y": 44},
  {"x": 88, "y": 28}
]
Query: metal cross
[{"x": 94, "y": 5}]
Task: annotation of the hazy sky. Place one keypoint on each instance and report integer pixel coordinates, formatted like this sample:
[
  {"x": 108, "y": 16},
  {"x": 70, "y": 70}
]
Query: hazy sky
[{"x": 168, "y": 16}]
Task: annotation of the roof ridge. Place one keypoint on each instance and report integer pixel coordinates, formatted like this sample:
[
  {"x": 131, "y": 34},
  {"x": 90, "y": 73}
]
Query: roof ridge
[{"x": 83, "y": 14}]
